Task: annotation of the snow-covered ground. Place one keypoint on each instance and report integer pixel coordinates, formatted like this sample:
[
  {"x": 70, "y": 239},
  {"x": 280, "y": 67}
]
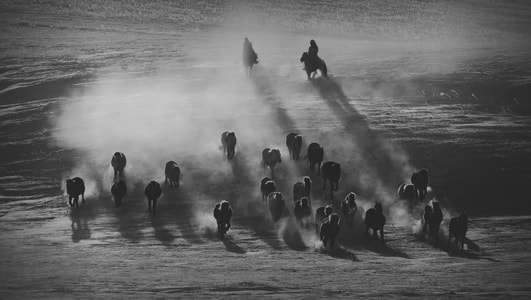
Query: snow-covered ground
[{"x": 162, "y": 82}]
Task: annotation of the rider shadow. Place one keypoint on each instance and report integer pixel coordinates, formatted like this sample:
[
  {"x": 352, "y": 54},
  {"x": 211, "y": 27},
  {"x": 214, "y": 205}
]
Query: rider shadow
[
  {"x": 79, "y": 222},
  {"x": 245, "y": 201},
  {"x": 269, "y": 96},
  {"x": 370, "y": 145}
]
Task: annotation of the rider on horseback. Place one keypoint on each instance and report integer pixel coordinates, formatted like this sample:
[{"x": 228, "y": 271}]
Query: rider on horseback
[
  {"x": 312, "y": 52},
  {"x": 249, "y": 56}
]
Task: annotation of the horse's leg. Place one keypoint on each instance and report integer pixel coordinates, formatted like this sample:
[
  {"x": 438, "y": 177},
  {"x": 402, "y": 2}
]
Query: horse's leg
[
  {"x": 154, "y": 206},
  {"x": 70, "y": 200},
  {"x": 149, "y": 205},
  {"x": 375, "y": 233},
  {"x": 382, "y": 234},
  {"x": 76, "y": 200},
  {"x": 83, "y": 198},
  {"x": 318, "y": 168},
  {"x": 324, "y": 183}
]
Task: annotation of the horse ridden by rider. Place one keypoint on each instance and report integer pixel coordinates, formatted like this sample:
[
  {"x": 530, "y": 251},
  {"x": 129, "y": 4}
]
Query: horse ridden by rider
[
  {"x": 249, "y": 56},
  {"x": 312, "y": 62}
]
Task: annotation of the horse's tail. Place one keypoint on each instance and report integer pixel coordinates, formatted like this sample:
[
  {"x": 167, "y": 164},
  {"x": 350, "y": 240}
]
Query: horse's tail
[{"x": 322, "y": 66}]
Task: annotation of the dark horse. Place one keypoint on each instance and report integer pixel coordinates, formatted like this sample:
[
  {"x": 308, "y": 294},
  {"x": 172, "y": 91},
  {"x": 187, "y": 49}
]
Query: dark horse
[
  {"x": 311, "y": 66},
  {"x": 223, "y": 214},
  {"x": 329, "y": 231},
  {"x": 375, "y": 219}
]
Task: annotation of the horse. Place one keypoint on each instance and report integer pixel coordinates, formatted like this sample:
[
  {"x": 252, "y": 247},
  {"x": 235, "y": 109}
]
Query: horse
[
  {"x": 270, "y": 158},
  {"x": 457, "y": 228},
  {"x": 118, "y": 191},
  {"x": 315, "y": 155},
  {"x": 302, "y": 211},
  {"x": 74, "y": 188},
  {"x": 173, "y": 174},
  {"x": 331, "y": 172},
  {"x": 294, "y": 144},
  {"x": 312, "y": 66},
  {"x": 302, "y": 189},
  {"x": 329, "y": 231},
  {"x": 375, "y": 220},
  {"x": 228, "y": 142},
  {"x": 267, "y": 186},
  {"x": 420, "y": 180},
  {"x": 223, "y": 214},
  {"x": 276, "y": 204},
  {"x": 321, "y": 213},
  {"x": 118, "y": 163},
  {"x": 152, "y": 192},
  {"x": 407, "y": 192},
  {"x": 432, "y": 219},
  {"x": 349, "y": 208}
]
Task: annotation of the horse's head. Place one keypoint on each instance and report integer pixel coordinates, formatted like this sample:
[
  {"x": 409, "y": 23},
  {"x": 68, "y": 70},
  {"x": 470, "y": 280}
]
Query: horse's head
[
  {"x": 224, "y": 205},
  {"x": 304, "y": 56},
  {"x": 304, "y": 202},
  {"x": 328, "y": 210},
  {"x": 276, "y": 155},
  {"x": 351, "y": 197},
  {"x": 436, "y": 206},
  {"x": 231, "y": 134},
  {"x": 378, "y": 207},
  {"x": 333, "y": 219},
  {"x": 307, "y": 181}
]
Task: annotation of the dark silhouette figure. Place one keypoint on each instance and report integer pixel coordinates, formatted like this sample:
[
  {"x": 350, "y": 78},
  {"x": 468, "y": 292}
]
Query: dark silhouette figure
[
  {"x": 315, "y": 154},
  {"x": 294, "y": 143},
  {"x": 329, "y": 231},
  {"x": 420, "y": 179},
  {"x": 457, "y": 229},
  {"x": 223, "y": 214},
  {"x": 118, "y": 191},
  {"x": 375, "y": 220},
  {"x": 74, "y": 188},
  {"x": 118, "y": 163},
  {"x": 249, "y": 56},
  {"x": 302, "y": 189},
  {"x": 312, "y": 62},
  {"x": 321, "y": 214},
  {"x": 152, "y": 192},
  {"x": 267, "y": 186},
  {"x": 270, "y": 158},
  {"x": 173, "y": 174},
  {"x": 432, "y": 219},
  {"x": 302, "y": 211},
  {"x": 408, "y": 192},
  {"x": 313, "y": 50},
  {"x": 332, "y": 172},
  {"x": 228, "y": 142},
  {"x": 275, "y": 202},
  {"x": 349, "y": 208}
]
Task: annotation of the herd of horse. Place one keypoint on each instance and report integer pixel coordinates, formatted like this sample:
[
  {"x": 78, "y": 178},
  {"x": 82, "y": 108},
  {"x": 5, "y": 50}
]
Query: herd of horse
[{"x": 327, "y": 221}]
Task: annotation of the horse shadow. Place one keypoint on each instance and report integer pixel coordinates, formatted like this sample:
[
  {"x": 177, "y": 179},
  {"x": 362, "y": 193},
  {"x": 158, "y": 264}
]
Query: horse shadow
[
  {"x": 177, "y": 206},
  {"x": 79, "y": 222},
  {"x": 162, "y": 234},
  {"x": 472, "y": 251},
  {"x": 130, "y": 222},
  {"x": 343, "y": 253}
]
